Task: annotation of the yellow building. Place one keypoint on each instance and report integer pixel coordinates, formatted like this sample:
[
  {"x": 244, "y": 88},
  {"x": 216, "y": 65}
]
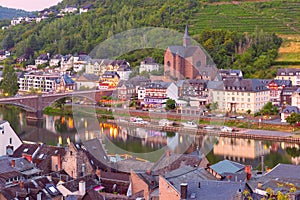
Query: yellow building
[
  {"x": 240, "y": 95},
  {"x": 291, "y": 74}
]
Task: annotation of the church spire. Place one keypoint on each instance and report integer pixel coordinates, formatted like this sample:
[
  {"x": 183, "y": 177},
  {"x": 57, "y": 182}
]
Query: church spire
[{"x": 186, "y": 38}]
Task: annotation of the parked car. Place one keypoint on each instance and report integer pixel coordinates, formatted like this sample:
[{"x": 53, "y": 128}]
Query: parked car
[
  {"x": 240, "y": 117},
  {"x": 233, "y": 116},
  {"x": 226, "y": 129},
  {"x": 219, "y": 115}
]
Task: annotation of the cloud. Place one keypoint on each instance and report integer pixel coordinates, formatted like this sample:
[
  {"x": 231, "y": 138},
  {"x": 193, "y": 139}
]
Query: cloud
[{"x": 30, "y": 5}]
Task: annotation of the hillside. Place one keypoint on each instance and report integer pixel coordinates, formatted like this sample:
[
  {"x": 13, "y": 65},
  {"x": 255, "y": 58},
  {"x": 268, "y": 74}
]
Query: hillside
[
  {"x": 9, "y": 13},
  {"x": 81, "y": 33}
]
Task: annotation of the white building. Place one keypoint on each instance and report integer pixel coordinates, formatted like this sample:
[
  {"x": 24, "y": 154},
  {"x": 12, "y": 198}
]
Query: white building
[
  {"x": 240, "y": 95},
  {"x": 292, "y": 74},
  {"x": 79, "y": 62},
  {"x": 124, "y": 72},
  {"x": 96, "y": 66},
  {"x": 55, "y": 61},
  {"x": 38, "y": 81},
  {"x": 42, "y": 59},
  {"x": 87, "y": 81},
  {"x": 69, "y": 9},
  {"x": 17, "y": 21},
  {"x": 149, "y": 65},
  {"x": 9, "y": 140}
]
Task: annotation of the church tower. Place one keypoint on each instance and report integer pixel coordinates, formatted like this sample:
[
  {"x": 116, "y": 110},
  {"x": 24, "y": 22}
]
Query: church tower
[{"x": 186, "y": 38}]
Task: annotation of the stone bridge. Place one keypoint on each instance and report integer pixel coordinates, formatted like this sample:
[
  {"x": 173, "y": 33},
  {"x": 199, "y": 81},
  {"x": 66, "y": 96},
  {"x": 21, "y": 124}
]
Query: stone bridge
[{"x": 35, "y": 104}]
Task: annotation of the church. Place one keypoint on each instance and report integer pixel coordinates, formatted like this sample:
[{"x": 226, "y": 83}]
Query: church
[{"x": 188, "y": 62}]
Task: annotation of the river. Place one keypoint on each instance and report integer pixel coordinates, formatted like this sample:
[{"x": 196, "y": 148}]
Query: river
[{"x": 148, "y": 144}]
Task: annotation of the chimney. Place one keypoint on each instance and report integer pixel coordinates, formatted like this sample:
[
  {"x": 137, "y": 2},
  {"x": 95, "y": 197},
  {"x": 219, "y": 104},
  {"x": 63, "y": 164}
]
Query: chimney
[
  {"x": 82, "y": 187},
  {"x": 21, "y": 183},
  {"x": 98, "y": 172},
  {"x": 248, "y": 171},
  {"x": 148, "y": 171},
  {"x": 59, "y": 167},
  {"x": 168, "y": 153},
  {"x": 183, "y": 190},
  {"x": 259, "y": 185},
  {"x": 39, "y": 196},
  {"x": 13, "y": 163},
  {"x": 83, "y": 169},
  {"x": 49, "y": 178}
]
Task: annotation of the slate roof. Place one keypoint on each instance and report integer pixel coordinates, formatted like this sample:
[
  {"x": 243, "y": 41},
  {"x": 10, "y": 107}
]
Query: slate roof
[
  {"x": 96, "y": 154},
  {"x": 211, "y": 189},
  {"x": 92, "y": 195},
  {"x": 110, "y": 74},
  {"x": 227, "y": 166},
  {"x": 67, "y": 80},
  {"x": 286, "y": 83},
  {"x": 73, "y": 185},
  {"x": 57, "y": 56},
  {"x": 289, "y": 89},
  {"x": 285, "y": 171},
  {"x": 119, "y": 63},
  {"x": 42, "y": 57},
  {"x": 149, "y": 61},
  {"x": 132, "y": 164},
  {"x": 31, "y": 189},
  {"x": 100, "y": 61},
  {"x": 187, "y": 173},
  {"x": 25, "y": 148},
  {"x": 158, "y": 85},
  {"x": 21, "y": 164},
  {"x": 287, "y": 71},
  {"x": 291, "y": 109},
  {"x": 215, "y": 85},
  {"x": 174, "y": 161},
  {"x": 245, "y": 85},
  {"x": 88, "y": 77},
  {"x": 124, "y": 68}
]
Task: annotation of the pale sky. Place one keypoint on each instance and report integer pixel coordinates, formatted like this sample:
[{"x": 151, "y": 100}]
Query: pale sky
[{"x": 29, "y": 5}]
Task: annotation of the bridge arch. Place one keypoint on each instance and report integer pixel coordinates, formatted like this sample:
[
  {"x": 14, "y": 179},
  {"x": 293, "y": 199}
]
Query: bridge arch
[
  {"x": 20, "y": 105},
  {"x": 51, "y": 100}
]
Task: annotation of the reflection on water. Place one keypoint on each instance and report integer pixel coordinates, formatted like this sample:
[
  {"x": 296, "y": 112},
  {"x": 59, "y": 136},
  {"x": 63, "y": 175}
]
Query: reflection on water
[{"x": 149, "y": 144}]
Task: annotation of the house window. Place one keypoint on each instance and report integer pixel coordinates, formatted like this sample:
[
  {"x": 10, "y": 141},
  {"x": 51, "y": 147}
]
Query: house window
[
  {"x": 71, "y": 153},
  {"x": 248, "y": 99},
  {"x": 10, "y": 140}
]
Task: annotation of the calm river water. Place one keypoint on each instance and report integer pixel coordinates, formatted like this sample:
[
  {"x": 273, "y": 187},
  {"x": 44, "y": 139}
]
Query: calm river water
[{"x": 148, "y": 144}]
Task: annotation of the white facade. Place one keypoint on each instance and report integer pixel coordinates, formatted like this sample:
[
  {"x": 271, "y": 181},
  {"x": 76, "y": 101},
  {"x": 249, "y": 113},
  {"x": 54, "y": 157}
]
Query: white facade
[
  {"x": 148, "y": 67},
  {"x": 141, "y": 93},
  {"x": 40, "y": 62},
  {"x": 43, "y": 82},
  {"x": 9, "y": 140},
  {"x": 296, "y": 98},
  {"x": 17, "y": 21},
  {"x": 87, "y": 84},
  {"x": 54, "y": 62},
  {"x": 242, "y": 101},
  {"x": 172, "y": 92},
  {"x": 124, "y": 75}
]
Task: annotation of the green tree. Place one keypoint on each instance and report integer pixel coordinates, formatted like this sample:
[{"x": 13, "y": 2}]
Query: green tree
[
  {"x": 9, "y": 83},
  {"x": 214, "y": 106},
  {"x": 170, "y": 104},
  {"x": 293, "y": 119},
  {"x": 269, "y": 109}
]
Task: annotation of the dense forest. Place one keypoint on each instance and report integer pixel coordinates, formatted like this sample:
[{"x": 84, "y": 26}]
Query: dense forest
[
  {"x": 229, "y": 48},
  {"x": 9, "y": 13}
]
